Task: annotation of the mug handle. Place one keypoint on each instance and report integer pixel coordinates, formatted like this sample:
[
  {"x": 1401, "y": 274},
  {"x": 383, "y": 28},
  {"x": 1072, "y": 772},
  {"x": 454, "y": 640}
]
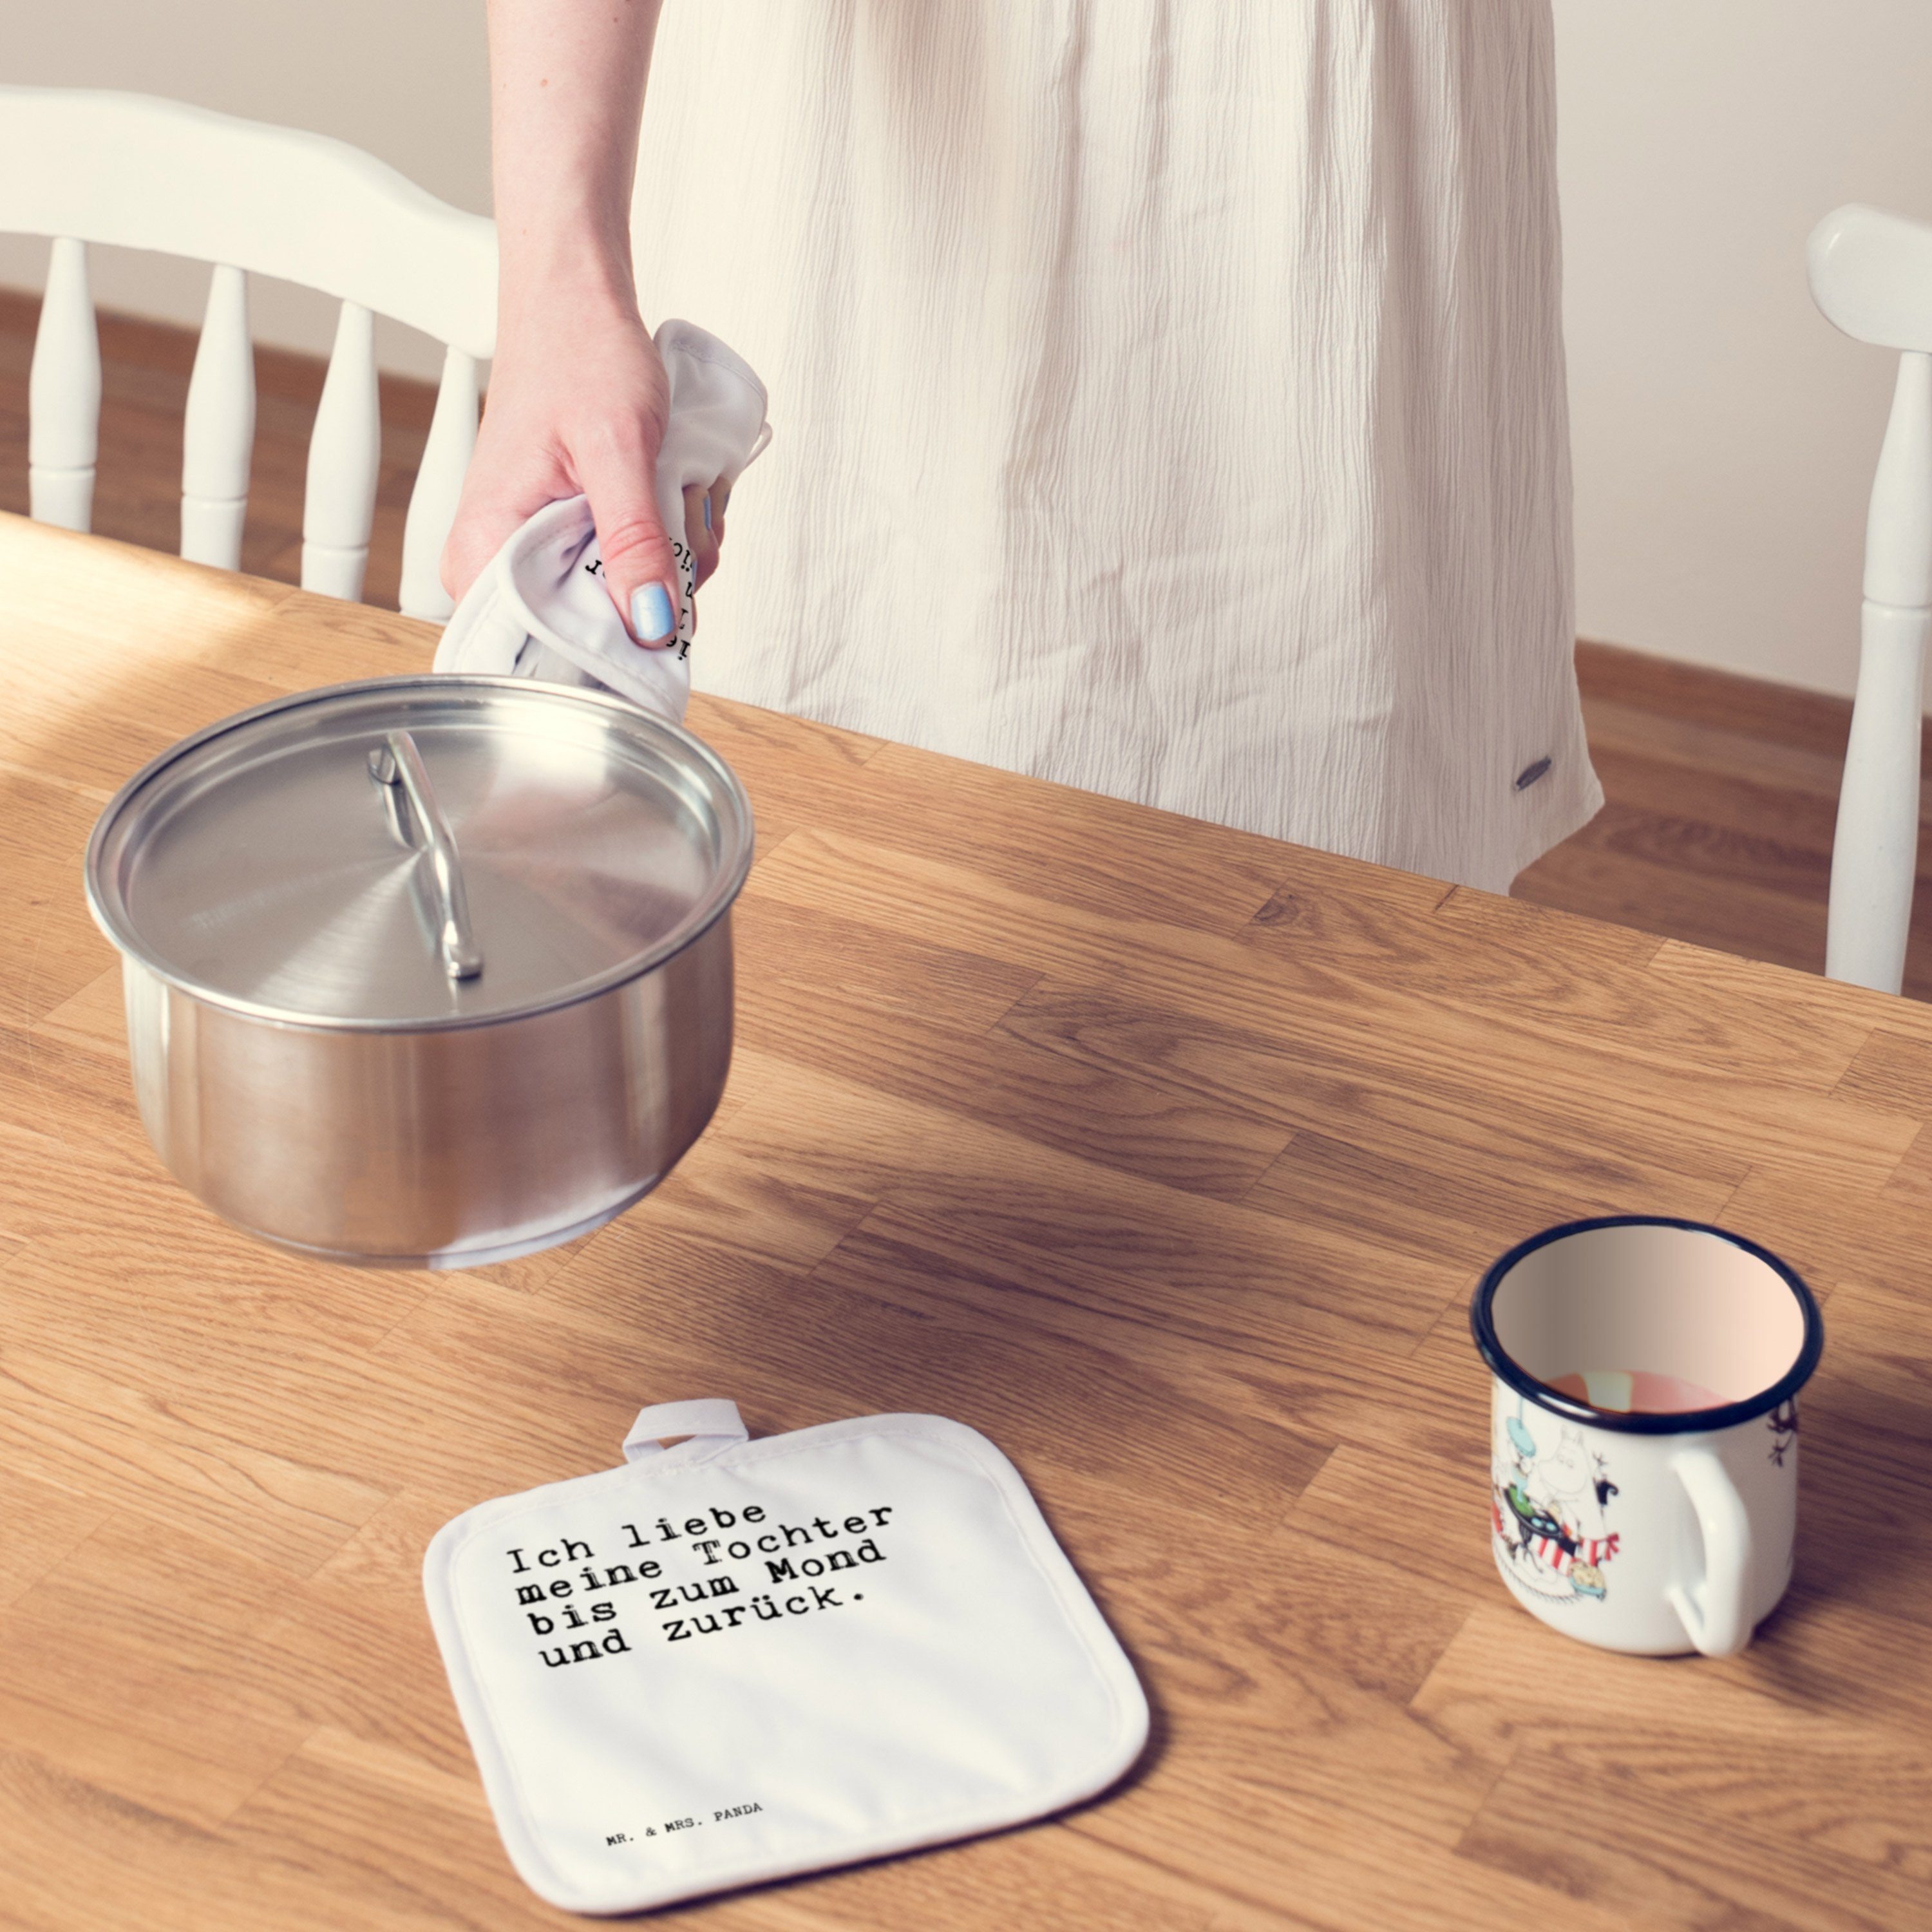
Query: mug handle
[{"x": 1715, "y": 1614}]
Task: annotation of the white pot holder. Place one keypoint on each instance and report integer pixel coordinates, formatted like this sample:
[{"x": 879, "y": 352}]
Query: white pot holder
[{"x": 729, "y": 1661}]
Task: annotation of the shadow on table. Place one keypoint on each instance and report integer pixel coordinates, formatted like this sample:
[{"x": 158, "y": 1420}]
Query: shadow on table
[{"x": 1864, "y": 1534}]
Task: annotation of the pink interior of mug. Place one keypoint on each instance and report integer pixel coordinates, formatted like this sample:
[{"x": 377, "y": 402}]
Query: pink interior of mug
[{"x": 1652, "y": 1298}]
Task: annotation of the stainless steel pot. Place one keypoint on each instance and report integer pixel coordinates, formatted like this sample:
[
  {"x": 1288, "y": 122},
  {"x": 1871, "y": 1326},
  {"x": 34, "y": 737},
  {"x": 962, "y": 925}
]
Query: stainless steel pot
[{"x": 426, "y": 972}]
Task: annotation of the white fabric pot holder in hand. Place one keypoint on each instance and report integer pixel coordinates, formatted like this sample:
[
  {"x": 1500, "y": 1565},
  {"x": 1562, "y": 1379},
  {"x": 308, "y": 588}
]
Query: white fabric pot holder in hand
[
  {"x": 540, "y": 608},
  {"x": 730, "y": 1661}
]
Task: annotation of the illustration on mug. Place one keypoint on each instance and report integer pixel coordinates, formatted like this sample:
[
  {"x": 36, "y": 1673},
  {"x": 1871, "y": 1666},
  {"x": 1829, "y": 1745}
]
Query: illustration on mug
[{"x": 1548, "y": 1502}]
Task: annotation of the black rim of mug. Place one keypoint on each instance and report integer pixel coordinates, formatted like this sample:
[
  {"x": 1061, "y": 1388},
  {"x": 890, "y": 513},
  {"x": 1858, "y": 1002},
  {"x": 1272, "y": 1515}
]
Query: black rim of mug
[{"x": 1482, "y": 1325}]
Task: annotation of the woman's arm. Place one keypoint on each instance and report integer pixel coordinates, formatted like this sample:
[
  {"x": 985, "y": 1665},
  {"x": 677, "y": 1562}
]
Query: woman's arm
[{"x": 578, "y": 396}]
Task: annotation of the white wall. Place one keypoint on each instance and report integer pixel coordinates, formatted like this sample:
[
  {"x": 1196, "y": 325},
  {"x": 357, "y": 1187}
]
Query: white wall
[
  {"x": 406, "y": 79},
  {"x": 1725, "y": 434}
]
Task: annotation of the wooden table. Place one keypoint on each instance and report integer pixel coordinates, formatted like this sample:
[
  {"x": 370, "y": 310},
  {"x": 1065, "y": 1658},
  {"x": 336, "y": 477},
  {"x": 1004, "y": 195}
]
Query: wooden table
[{"x": 1165, "y": 1155}]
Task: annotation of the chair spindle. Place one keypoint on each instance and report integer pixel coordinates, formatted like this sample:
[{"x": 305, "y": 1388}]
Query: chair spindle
[
  {"x": 445, "y": 458},
  {"x": 64, "y": 394},
  {"x": 1875, "y": 849},
  {"x": 218, "y": 433},
  {"x": 344, "y": 454}
]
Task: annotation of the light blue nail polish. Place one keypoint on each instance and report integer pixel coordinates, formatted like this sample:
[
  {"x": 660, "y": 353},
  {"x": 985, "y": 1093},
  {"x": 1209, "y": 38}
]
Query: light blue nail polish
[
  {"x": 650, "y": 614},
  {"x": 707, "y": 513}
]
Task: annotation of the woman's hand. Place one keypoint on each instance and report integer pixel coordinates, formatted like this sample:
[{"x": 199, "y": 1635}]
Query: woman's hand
[
  {"x": 577, "y": 394},
  {"x": 577, "y": 402}
]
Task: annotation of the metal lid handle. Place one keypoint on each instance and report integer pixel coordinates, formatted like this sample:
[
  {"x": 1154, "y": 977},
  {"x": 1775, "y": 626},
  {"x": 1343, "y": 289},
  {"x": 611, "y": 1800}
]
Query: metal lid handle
[{"x": 400, "y": 762}]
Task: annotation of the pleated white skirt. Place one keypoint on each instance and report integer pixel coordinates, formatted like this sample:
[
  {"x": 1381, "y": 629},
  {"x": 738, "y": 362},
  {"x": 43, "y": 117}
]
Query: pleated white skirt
[{"x": 1168, "y": 399}]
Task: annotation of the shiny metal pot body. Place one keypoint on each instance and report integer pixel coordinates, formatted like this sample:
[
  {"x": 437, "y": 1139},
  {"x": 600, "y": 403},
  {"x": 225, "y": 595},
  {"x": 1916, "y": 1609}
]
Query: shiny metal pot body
[
  {"x": 426, "y": 972},
  {"x": 447, "y": 1148}
]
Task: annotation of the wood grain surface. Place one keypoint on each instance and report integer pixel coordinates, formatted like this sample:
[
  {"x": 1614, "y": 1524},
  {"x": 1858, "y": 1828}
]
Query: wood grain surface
[{"x": 1165, "y": 1155}]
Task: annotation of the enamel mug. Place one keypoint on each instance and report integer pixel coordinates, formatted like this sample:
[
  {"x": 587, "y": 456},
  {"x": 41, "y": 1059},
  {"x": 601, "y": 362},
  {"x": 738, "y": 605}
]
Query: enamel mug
[{"x": 1643, "y": 1473}]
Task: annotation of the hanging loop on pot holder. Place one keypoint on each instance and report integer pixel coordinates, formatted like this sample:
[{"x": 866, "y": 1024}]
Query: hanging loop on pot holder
[{"x": 711, "y": 1422}]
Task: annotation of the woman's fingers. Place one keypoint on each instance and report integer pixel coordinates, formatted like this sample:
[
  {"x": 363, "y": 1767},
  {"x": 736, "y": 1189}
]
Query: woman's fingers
[
  {"x": 581, "y": 404},
  {"x": 616, "y": 467},
  {"x": 699, "y": 530},
  {"x": 577, "y": 402},
  {"x": 512, "y": 476},
  {"x": 476, "y": 535}
]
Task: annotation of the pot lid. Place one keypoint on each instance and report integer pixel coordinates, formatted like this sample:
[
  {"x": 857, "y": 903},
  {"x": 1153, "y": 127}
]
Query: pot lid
[{"x": 419, "y": 851}]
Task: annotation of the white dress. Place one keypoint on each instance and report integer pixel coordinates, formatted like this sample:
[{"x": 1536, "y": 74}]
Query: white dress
[{"x": 1168, "y": 399}]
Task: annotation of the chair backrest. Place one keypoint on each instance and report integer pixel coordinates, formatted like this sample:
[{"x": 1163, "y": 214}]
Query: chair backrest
[
  {"x": 1871, "y": 274},
  {"x": 130, "y": 171}
]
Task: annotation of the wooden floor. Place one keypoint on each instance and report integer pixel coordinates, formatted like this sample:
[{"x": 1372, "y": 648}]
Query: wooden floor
[
  {"x": 1721, "y": 790},
  {"x": 1722, "y": 793}
]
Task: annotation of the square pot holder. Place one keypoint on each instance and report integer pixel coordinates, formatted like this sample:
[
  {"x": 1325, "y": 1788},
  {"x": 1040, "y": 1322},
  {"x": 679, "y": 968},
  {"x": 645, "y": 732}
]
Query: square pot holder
[{"x": 728, "y": 1661}]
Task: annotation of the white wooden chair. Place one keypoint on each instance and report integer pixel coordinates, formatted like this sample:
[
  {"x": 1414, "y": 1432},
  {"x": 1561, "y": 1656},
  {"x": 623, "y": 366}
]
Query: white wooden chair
[
  {"x": 130, "y": 171},
  {"x": 1871, "y": 274}
]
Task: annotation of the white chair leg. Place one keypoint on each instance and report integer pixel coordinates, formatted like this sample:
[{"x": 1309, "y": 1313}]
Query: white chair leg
[
  {"x": 1875, "y": 849},
  {"x": 218, "y": 433},
  {"x": 63, "y": 395},
  {"x": 445, "y": 460},
  {"x": 344, "y": 455}
]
